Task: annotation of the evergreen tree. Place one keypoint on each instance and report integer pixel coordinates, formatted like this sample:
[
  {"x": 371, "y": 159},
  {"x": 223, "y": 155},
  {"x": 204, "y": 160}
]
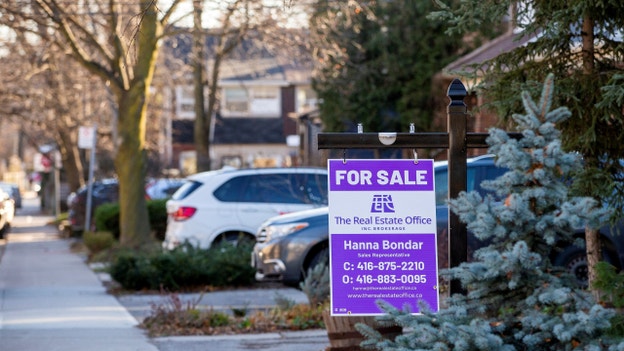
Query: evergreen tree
[
  {"x": 516, "y": 299},
  {"x": 375, "y": 62},
  {"x": 582, "y": 43}
]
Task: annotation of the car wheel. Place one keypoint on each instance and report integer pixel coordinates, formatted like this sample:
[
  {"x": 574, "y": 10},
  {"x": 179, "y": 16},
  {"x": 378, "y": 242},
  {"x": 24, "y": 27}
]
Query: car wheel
[
  {"x": 235, "y": 238},
  {"x": 319, "y": 257},
  {"x": 574, "y": 259}
]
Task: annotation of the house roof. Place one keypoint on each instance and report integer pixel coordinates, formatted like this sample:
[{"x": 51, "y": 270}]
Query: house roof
[
  {"x": 262, "y": 71},
  {"x": 249, "y": 61},
  {"x": 488, "y": 51},
  {"x": 266, "y": 68},
  {"x": 179, "y": 47},
  {"x": 507, "y": 42}
]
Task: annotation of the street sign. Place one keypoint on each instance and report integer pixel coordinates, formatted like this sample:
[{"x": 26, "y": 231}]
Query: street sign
[
  {"x": 86, "y": 137},
  {"x": 87, "y": 140},
  {"x": 382, "y": 235}
]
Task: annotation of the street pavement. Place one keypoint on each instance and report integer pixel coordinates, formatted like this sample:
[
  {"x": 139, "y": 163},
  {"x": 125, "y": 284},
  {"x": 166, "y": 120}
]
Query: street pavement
[{"x": 51, "y": 300}]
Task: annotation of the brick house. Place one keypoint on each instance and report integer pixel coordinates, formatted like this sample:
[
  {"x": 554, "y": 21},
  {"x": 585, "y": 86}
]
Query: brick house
[
  {"x": 481, "y": 119},
  {"x": 252, "y": 127}
]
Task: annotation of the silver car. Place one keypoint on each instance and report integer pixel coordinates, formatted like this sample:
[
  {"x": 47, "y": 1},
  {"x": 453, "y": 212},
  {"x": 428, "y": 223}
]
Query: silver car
[{"x": 288, "y": 245}]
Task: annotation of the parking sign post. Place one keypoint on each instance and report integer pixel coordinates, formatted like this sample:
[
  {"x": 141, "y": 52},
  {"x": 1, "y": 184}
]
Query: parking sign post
[{"x": 87, "y": 139}]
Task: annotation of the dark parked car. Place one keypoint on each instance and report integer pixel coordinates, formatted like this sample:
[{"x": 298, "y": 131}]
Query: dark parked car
[
  {"x": 162, "y": 188},
  {"x": 103, "y": 191},
  {"x": 107, "y": 191},
  {"x": 288, "y": 245}
]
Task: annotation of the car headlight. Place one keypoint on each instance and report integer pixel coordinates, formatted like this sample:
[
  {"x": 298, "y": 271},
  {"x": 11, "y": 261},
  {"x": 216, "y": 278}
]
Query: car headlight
[{"x": 271, "y": 232}]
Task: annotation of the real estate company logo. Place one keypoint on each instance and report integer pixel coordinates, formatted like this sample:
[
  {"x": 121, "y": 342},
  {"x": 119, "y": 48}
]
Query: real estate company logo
[{"x": 382, "y": 204}]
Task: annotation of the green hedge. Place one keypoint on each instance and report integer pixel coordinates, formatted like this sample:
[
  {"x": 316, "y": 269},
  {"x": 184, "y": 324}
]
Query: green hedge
[
  {"x": 106, "y": 218},
  {"x": 185, "y": 267}
]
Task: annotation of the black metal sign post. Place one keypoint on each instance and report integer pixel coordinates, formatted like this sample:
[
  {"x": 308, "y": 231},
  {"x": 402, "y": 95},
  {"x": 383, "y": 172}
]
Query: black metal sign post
[{"x": 456, "y": 140}]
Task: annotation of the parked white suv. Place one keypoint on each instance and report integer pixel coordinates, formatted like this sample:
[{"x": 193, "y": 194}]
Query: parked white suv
[{"x": 230, "y": 204}]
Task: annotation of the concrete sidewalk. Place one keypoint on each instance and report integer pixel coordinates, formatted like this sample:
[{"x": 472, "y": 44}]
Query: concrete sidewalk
[{"x": 51, "y": 300}]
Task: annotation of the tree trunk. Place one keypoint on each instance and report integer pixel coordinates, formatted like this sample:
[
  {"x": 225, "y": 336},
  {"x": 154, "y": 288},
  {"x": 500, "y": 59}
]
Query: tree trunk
[
  {"x": 227, "y": 42},
  {"x": 594, "y": 253},
  {"x": 587, "y": 38},
  {"x": 131, "y": 158},
  {"x": 130, "y": 163},
  {"x": 592, "y": 239},
  {"x": 202, "y": 120},
  {"x": 74, "y": 171}
]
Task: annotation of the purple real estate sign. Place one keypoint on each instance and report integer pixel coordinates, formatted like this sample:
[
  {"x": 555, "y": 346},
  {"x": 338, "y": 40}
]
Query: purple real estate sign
[{"x": 382, "y": 233}]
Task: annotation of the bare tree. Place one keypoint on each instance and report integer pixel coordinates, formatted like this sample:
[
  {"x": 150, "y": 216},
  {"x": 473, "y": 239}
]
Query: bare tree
[
  {"x": 116, "y": 41},
  {"x": 257, "y": 22},
  {"x": 34, "y": 82}
]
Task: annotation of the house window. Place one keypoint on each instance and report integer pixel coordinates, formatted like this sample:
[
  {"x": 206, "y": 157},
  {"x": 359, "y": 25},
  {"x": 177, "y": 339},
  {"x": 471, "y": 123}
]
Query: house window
[
  {"x": 253, "y": 101},
  {"x": 187, "y": 93},
  {"x": 185, "y": 101},
  {"x": 266, "y": 102},
  {"x": 306, "y": 99},
  {"x": 187, "y": 107},
  {"x": 236, "y": 100},
  {"x": 265, "y": 93}
]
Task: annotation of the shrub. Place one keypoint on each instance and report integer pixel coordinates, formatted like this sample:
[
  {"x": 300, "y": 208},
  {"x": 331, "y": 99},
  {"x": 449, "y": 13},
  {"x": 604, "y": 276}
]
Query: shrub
[
  {"x": 229, "y": 264},
  {"x": 610, "y": 284},
  {"x": 97, "y": 242},
  {"x": 134, "y": 271},
  {"x": 303, "y": 316},
  {"x": 106, "y": 218},
  {"x": 178, "y": 318},
  {"x": 316, "y": 284},
  {"x": 157, "y": 211},
  {"x": 186, "y": 267}
]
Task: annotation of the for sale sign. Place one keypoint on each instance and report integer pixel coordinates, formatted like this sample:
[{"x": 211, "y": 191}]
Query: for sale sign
[{"x": 382, "y": 233}]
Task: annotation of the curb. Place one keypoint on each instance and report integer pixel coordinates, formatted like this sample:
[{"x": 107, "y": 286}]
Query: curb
[{"x": 261, "y": 336}]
